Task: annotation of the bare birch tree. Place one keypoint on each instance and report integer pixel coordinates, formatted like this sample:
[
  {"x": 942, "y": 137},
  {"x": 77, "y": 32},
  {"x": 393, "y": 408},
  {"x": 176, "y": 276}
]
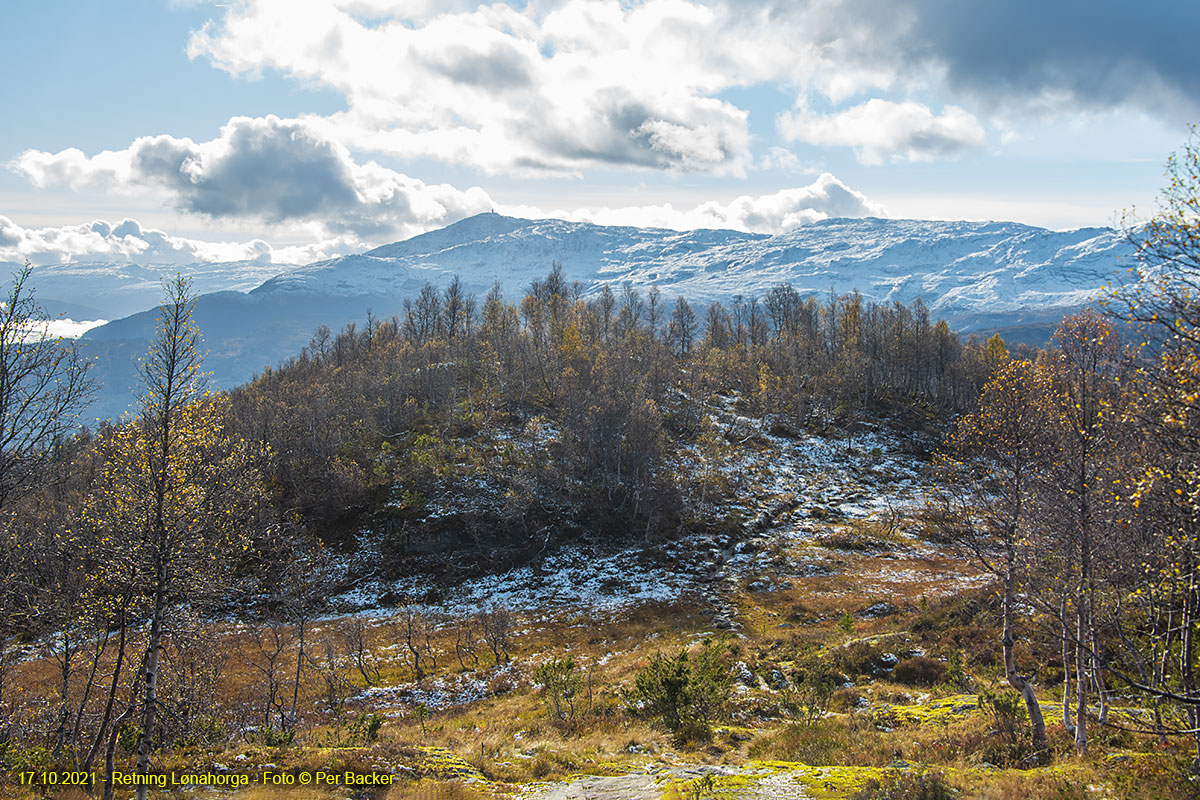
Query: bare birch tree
[
  {"x": 175, "y": 498},
  {"x": 990, "y": 468}
]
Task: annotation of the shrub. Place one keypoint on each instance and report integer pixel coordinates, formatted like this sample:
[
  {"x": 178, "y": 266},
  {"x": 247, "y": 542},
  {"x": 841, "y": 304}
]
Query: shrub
[
  {"x": 277, "y": 737},
  {"x": 815, "y": 680},
  {"x": 15, "y": 758},
  {"x": 845, "y": 699},
  {"x": 861, "y": 658},
  {"x": 560, "y": 682},
  {"x": 127, "y": 737},
  {"x": 1008, "y": 745},
  {"x": 919, "y": 671},
  {"x": 687, "y": 692},
  {"x": 205, "y": 730},
  {"x": 956, "y": 676}
]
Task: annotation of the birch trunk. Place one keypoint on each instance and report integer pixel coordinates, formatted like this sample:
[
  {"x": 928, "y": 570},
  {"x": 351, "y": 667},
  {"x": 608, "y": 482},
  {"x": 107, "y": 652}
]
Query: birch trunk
[{"x": 1036, "y": 722}]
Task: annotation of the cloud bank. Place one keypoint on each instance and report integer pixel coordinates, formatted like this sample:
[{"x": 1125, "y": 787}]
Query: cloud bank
[
  {"x": 774, "y": 213},
  {"x": 128, "y": 241}
]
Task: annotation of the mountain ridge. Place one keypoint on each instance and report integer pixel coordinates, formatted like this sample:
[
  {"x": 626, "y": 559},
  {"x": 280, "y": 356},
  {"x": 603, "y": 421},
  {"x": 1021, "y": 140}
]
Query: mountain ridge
[
  {"x": 979, "y": 276},
  {"x": 960, "y": 269}
]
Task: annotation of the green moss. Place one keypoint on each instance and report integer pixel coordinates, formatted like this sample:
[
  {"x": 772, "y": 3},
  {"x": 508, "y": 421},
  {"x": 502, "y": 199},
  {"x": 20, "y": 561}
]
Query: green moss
[
  {"x": 447, "y": 765},
  {"x": 837, "y": 781},
  {"x": 707, "y": 786},
  {"x": 936, "y": 712}
]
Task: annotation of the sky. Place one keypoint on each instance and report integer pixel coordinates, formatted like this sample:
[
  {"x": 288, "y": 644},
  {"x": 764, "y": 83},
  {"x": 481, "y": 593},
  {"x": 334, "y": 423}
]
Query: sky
[{"x": 174, "y": 131}]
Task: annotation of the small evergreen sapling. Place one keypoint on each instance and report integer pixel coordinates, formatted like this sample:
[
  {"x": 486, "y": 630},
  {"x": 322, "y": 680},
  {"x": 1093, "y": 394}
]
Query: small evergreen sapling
[{"x": 688, "y": 692}]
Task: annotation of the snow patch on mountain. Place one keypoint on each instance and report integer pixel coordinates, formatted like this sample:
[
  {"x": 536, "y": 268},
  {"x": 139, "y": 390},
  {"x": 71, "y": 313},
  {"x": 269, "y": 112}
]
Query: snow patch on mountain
[{"x": 975, "y": 274}]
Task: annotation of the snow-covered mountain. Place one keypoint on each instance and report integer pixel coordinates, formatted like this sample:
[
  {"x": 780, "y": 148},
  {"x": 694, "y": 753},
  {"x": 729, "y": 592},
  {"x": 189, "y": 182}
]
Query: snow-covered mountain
[{"x": 976, "y": 275}]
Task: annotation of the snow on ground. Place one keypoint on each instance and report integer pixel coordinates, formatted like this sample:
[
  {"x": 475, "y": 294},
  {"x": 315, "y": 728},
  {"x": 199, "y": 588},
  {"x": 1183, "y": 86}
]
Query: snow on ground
[
  {"x": 853, "y": 476},
  {"x": 573, "y": 578},
  {"x": 788, "y": 490},
  {"x": 436, "y": 693}
]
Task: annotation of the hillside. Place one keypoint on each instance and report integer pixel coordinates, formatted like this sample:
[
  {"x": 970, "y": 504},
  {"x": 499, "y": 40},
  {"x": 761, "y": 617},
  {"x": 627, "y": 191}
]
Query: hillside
[
  {"x": 858, "y": 656},
  {"x": 604, "y": 547}
]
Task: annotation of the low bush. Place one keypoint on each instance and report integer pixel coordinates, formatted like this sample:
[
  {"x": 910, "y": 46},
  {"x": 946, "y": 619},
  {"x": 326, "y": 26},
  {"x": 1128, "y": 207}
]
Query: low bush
[
  {"x": 815, "y": 681},
  {"x": 688, "y": 692},
  {"x": 1010, "y": 741},
  {"x": 919, "y": 671},
  {"x": 561, "y": 682},
  {"x": 907, "y": 786},
  {"x": 861, "y": 658},
  {"x": 845, "y": 699}
]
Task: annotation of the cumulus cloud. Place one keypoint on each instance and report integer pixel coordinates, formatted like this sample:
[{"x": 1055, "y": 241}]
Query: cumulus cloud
[
  {"x": 566, "y": 85},
  {"x": 879, "y": 130},
  {"x": 581, "y": 84},
  {"x": 128, "y": 241},
  {"x": 272, "y": 169},
  {"x": 780, "y": 212}
]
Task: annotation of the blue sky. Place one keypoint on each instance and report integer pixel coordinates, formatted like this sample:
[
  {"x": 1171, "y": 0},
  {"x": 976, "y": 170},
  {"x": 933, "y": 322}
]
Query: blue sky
[{"x": 296, "y": 129}]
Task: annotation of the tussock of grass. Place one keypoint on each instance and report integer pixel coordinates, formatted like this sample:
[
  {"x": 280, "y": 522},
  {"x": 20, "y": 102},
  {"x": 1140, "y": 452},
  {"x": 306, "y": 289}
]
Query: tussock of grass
[{"x": 431, "y": 790}]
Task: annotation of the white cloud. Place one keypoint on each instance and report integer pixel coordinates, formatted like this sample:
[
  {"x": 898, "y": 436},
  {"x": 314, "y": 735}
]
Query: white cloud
[
  {"x": 562, "y": 86},
  {"x": 780, "y": 159},
  {"x": 585, "y": 83},
  {"x": 879, "y": 130},
  {"x": 61, "y": 328},
  {"x": 775, "y": 213},
  {"x": 270, "y": 169},
  {"x": 128, "y": 241}
]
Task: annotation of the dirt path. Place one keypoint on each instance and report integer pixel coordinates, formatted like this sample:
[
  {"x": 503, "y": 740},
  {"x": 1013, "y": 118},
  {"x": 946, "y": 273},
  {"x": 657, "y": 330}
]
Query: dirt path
[
  {"x": 651, "y": 786},
  {"x": 781, "y": 786},
  {"x": 638, "y": 786}
]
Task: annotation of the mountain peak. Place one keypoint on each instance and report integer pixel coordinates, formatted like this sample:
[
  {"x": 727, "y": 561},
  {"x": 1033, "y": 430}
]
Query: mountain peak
[{"x": 480, "y": 226}]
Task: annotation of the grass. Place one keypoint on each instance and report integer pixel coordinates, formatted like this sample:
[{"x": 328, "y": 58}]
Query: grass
[{"x": 889, "y": 719}]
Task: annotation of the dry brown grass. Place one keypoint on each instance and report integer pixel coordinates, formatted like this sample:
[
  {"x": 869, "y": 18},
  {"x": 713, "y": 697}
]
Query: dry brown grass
[
  {"x": 432, "y": 790},
  {"x": 508, "y": 738}
]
